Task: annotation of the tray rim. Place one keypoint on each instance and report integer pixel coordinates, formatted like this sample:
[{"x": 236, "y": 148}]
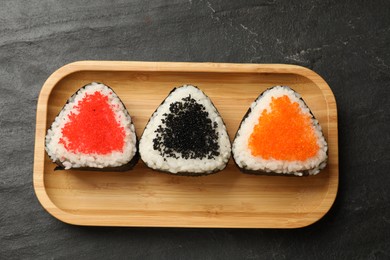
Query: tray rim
[{"x": 191, "y": 67}]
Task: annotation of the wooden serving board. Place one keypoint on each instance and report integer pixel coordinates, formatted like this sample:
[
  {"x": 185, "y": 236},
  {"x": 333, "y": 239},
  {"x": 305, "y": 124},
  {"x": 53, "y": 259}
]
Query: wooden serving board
[{"x": 142, "y": 197}]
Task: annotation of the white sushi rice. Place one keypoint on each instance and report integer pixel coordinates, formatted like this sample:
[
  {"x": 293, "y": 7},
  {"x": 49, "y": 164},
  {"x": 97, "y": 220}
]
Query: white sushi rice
[
  {"x": 241, "y": 151},
  {"x": 58, "y": 152},
  {"x": 155, "y": 160}
]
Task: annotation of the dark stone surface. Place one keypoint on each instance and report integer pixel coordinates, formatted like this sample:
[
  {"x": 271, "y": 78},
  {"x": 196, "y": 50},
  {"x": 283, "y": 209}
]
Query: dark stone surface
[{"x": 347, "y": 42}]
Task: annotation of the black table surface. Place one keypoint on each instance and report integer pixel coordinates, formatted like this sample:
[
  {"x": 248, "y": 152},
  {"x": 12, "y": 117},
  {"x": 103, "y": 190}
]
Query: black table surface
[{"x": 346, "y": 42}]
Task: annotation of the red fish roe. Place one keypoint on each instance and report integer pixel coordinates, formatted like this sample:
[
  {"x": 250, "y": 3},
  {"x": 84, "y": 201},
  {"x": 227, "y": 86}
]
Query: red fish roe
[
  {"x": 285, "y": 133},
  {"x": 94, "y": 128}
]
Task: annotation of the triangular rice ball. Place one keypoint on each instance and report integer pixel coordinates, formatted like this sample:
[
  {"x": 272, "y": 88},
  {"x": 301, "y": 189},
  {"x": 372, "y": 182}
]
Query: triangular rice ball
[
  {"x": 279, "y": 135},
  {"x": 185, "y": 135},
  {"x": 93, "y": 131}
]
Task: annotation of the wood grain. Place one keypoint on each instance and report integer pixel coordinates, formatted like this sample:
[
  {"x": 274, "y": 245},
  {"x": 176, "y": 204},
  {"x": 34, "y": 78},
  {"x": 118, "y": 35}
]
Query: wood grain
[{"x": 142, "y": 197}]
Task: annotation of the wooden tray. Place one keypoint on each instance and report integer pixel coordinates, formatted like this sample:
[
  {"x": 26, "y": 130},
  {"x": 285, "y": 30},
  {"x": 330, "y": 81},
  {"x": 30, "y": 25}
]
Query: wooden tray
[{"x": 143, "y": 197}]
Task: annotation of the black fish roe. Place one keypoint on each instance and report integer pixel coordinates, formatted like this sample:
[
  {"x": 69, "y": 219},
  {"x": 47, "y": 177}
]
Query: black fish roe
[{"x": 187, "y": 130}]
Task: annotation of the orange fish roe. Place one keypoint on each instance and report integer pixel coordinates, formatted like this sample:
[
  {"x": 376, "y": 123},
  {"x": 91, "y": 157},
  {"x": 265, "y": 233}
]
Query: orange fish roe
[
  {"x": 285, "y": 133},
  {"x": 94, "y": 129}
]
